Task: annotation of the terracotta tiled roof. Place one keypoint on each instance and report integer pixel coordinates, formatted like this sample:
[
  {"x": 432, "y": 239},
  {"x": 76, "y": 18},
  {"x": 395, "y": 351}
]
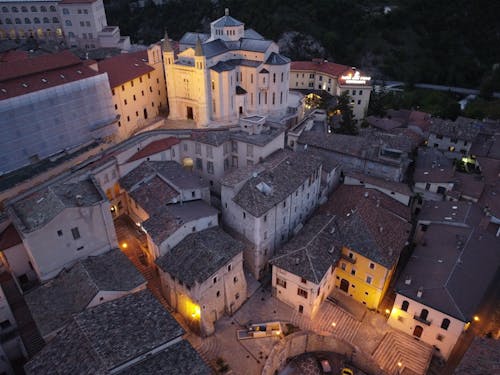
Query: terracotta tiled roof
[
  {"x": 324, "y": 67},
  {"x": 20, "y": 77},
  {"x": 125, "y": 67},
  {"x": 155, "y": 147},
  {"x": 38, "y": 64},
  {"x": 13, "y": 55},
  {"x": 9, "y": 238}
]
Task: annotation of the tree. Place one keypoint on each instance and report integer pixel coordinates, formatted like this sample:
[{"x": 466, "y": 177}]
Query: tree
[{"x": 347, "y": 125}]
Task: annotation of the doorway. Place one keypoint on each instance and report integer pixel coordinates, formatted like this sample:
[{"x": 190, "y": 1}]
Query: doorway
[
  {"x": 417, "y": 332},
  {"x": 190, "y": 113},
  {"x": 344, "y": 285}
]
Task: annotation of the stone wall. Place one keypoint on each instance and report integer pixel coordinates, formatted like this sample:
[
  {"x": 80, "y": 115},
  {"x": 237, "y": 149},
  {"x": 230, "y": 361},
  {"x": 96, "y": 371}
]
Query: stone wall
[{"x": 303, "y": 342}]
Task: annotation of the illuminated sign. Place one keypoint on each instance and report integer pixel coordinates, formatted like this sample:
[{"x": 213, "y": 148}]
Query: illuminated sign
[{"x": 355, "y": 79}]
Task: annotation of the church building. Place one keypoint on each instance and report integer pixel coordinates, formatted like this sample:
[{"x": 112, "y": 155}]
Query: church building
[{"x": 228, "y": 73}]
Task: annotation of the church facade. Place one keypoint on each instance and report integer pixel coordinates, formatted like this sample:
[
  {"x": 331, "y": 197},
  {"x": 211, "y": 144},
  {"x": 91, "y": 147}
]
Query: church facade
[{"x": 228, "y": 73}]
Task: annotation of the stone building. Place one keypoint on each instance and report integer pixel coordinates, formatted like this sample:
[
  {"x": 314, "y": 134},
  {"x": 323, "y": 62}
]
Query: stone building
[
  {"x": 202, "y": 278},
  {"x": 230, "y": 73},
  {"x": 267, "y": 202}
]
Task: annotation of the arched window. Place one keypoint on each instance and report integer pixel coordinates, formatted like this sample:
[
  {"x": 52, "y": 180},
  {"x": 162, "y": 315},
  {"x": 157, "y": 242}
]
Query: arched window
[
  {"x": 52, "y": 8},
  {"x": 15, "y": 10},
  {"x": 445, "y": 324},
  {"x": 43, "y": 8},
  {"x": 67, "y": 23},
  {"x": 36, "y": 20},
  {"x": 46, "y": 20},
  {"x": 34, "y": 9},
  {"x": 24, "y": 9},
  {"x": 8, "y": 21},
  {"x": 18, "y": 21},
  {"x": 27, "y": 20},
  {"x": 55, "y": 20},
  {"x": 5, "y": 9},
  {"x": 65, "y": 11},
  {"x": 405, "y": 305},
  {"x": 423, "y": 314},
  {"x": 71, "y": 34}
]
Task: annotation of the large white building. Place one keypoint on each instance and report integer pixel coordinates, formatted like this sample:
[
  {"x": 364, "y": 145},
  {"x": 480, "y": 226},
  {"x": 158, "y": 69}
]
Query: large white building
[
  {"x": 81, "y": 22},
  {"x": 229, "y": 73}
]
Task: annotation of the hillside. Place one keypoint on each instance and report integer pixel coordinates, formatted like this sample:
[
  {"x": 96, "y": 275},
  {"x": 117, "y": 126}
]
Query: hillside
[{"x": 434, "y": 41}]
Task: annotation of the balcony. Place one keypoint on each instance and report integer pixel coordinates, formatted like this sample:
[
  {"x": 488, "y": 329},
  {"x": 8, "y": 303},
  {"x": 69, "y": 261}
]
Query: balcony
[
  {"x": 422, "y": 320},
  {"x": 348, "y": 258}
]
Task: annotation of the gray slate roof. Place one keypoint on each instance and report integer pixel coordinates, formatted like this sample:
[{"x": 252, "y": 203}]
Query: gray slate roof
[
  {"x": 172, "y": 217},
  {"x": 200, "y": 255},
  {"x": 252, "y": 34},
  {"x": 462, "y": 128},
  {"x": 453, "y": 269},
  {"x": 312, "y": 251},
  {"x": 106, "y": 336},
  {"x": 222, "y": 66},
  {"x": 178, "y": 359},
  {"x": 171, "y": 171},
  {"x": 277, "y": 59},
  {"x": 214, "y": 48},
  {"x": 191, "y": 38},
  {"x": 40, "y": 207},
  {"x": 227, "y": 21},
  {"x": 53, "y": 304},
  {"x": 284, "y": 179}
]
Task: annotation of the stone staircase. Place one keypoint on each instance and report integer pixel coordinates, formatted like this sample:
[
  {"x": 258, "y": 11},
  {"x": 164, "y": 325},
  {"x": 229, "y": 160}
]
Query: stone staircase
[
  {"x": 399, "y": 353},
  {"x": 330, "y": 320}
]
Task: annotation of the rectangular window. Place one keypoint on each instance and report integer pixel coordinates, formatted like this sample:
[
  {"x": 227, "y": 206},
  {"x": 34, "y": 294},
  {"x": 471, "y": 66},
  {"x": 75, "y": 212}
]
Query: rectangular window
[
  {"x": 210, "y": 167},
  {"x": 280, "y": 282},
  {"x": 301, "y": 292},
  {"x": 372, "y": 266},
  {"x": 353, "y": 272},
  {"x": 234, "y": 146},
  {"x": 249, "y": 150},
  {"x": 303, "y": 281},
  {"x": 59, "y": 233},
  {"x": 369, "y": 279},
  {"x": 197, "y": 147},
  {"x": 209, "y": 151},
  {"x": 199, "y": 164},
  {"x": 343, "y": 266},
  {"x": 226, "y": 164},
  {"x": 75, "y": 232}
]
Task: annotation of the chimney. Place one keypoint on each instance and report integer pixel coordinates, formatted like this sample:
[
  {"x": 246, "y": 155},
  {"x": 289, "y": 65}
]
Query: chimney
[
  {"x": 79, "y": 200},
  {"x": 420, "y": 291},
  {"x": 226, "y": 11}
]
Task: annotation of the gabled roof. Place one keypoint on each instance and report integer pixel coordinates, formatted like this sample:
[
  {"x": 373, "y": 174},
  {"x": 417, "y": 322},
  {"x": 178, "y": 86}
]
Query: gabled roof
[
  {"x": 252, "y": 34},
  {"x": 125, "y": 67},
  {"x": 106, "y": 336},
  {"x": 40, "y": 207},
  {"x": 180, "y": 358},
  {"x": 214, "y": 48},
  {"x": 311, "y": 252},
  {"x": 371, "y": 223},
  {"x": 326, "y": 67},
  {"x": 172, "y": 217},
  {"x": 198, "y": 256},
  {"x": 154, "y": 148},
  {"x": 277, "y": 59},
  {"x": 53, "y": 304}
]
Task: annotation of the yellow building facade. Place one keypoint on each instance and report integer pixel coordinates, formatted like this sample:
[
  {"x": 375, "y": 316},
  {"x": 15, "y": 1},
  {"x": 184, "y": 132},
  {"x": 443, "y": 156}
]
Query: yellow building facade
[{"x": 361, "y": 278}]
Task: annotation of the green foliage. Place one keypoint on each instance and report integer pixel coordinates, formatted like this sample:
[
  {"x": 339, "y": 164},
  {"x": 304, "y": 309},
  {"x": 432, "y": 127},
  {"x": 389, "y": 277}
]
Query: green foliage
[
  {"x": 454, "y": 43},
  {"x": 347, "y": 125},
  {"x": 481, "y": 108}
]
